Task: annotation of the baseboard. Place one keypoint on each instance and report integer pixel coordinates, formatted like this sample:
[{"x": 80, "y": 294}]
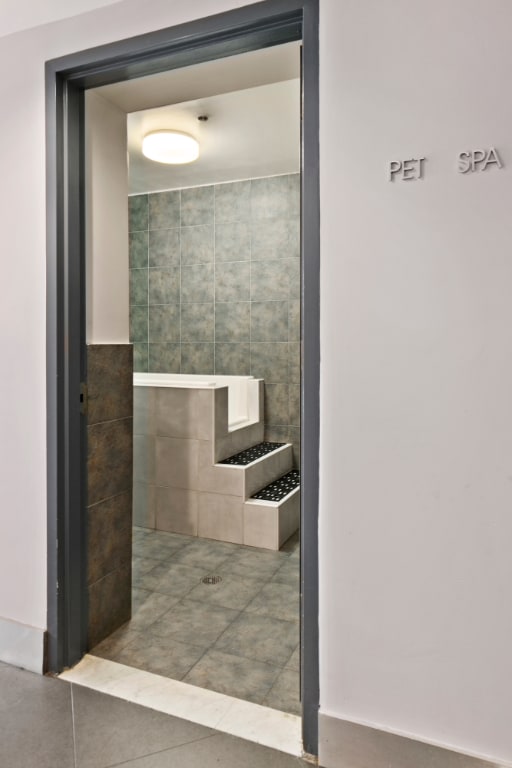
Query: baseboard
[
  {"x": 343, "y": 744},
  {"x": 22, "y": 646}
]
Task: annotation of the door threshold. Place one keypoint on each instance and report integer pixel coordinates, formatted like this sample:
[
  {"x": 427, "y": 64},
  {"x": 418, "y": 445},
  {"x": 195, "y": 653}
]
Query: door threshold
[{"x": 253, "y": 722}]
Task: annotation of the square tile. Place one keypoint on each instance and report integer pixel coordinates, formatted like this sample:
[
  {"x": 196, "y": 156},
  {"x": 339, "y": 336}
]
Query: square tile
[
  {"x": 197, "y": 283},
  {"x": 233, "y": 201},
  {"x": 253, "y": 564},
  {"x": 164, "y": 358},
  {"x": 275, "y": 239},
  {"x": 138, "y": 213},
  {"x": 269, "y": 361},
  {"x": 278, "y": 600},
  {"x": 232, "y": 241},
  {"x": 164, "y": 323},
  {"x": 294, "y": 405},
  {"x": 139, "y": 323},
  {"x": 232, "y": 281},
  {"x": 160, "y": 656},
  {"x": 197, "y": 322},
  {"x": 197, "y": 244},
  {"x": 197, "y": 206},
  {"x": 262, "y": 637},
  {"x": 140, "y": 357},
  {"x": 232, "y": 359},
  {"x": 109, "y": 459},
  {"x": 164, "y": 248},
  {"x": 171, "y": 579},
  {"x": 272, "y": 197},
  {"x": 294, "y": 320},
  {"x": 270, "y": 280},
  {"x": 233, "y": 321},
  {"x": 285, "y": 693},
  {"x": 138, "y": 286},
  {"x": 164, "y": 285},
  {"x": 233, "y": 675},
  {"x": 276, "y": 403},
  {"x": 164, "y": 210},
  {"x": 176, "y": 510},
  {"x": 294, "y": 362},
  {"x": 269, "y": 321},
  {"x": 205, "y": 554},
  {"x": 138, "y": 250},
  {"x": 197, "y": 358},
  {"x": 232, "y": 592},
  {"x": 143, "y": 504},
  {"x": 144, "y": 458},
  {"x": 176, "y": 462},
  {"x": 195, "y": 623}
]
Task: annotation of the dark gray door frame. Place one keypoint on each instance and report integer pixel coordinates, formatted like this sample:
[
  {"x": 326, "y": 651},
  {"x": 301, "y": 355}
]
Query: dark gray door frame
[{"x": 255, "y": 26}]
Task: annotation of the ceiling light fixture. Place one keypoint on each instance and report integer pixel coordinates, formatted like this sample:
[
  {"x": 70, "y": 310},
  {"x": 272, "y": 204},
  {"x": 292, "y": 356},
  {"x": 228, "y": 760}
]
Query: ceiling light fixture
[{"x": 171, "y": 147}]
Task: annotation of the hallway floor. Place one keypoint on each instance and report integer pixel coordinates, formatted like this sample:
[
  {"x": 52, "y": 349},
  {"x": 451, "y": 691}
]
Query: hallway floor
[
  {"x": 239, "y": 636},
  {"x": 50, "y": 723}
]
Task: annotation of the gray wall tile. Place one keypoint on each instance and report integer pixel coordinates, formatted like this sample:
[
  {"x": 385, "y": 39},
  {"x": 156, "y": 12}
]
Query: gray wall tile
[
  {"x": 232, "y": 281},
  {"x": 272, "y": 198},
  {"x": 138, "y": 249},
  {"x": 233, "y": 201},
  {"x": 164, "y": 322},
  {"x": 294, "y": 405},
  {"x": 139, "y": 323},
  {"x": 197, "y": 206},
  {"x": 269, "y": 361},
  {"x": 233, "y": 321},
  {"x": 197, "y": 358},
  {"x": 276, "y": 404},
  {"x": 275, "y": 239},
  {"x": 164, "y": 358},
  {"x": 197, "y": 283},
  {"x": 197, "y": 322},
  {"x": 138, "y": 286},
  {"x": 294, "y": 320},
  {"x": 164, "y": 285},
  {"x": 269, "y": 280},
  {"x": 269, "y": 321},
  {"x": 140, "y": 357},
  {"x": 233, "y": 359},
  {"x": 232, "y": 241},
  {"x": 197, "y": 244},
  {"x": 138, "y": 213},
  {"x": 164, "y": 210},
  {"x": 164, "y": 248}
]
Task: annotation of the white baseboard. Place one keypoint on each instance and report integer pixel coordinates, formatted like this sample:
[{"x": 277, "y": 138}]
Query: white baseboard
[
  {"x": 343, "y": 744},
  {"x": 22, "y": 645}
]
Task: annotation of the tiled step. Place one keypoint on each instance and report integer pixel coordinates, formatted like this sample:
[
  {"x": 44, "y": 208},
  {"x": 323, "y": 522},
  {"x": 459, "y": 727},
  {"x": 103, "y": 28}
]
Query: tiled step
[
  {"x": 251, "y": 454},
  {"x": 271, "y": 520}
]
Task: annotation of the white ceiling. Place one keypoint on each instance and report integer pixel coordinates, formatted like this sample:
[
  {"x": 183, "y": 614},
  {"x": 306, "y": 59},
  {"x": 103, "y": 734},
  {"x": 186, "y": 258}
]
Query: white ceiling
[{"x": 253, "y": 105}]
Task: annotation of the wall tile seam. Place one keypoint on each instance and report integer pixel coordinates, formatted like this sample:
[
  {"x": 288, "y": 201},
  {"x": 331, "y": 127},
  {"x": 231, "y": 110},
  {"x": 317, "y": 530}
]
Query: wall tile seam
[
  {"x": 108, "y": 498},
  {"x": 122, "y": 564},
  {"x": 109, "y": 421}
]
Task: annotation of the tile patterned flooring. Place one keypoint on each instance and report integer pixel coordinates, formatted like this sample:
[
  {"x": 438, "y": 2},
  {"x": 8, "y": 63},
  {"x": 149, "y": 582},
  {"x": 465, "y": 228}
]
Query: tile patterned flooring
[
  {"x": 239, "y": 637},
  {"x": 49, "y": 723}
]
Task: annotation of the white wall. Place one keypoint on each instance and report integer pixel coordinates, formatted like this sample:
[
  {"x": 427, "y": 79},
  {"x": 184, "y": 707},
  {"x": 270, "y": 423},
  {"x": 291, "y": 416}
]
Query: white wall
[
  {"x": 416, "y": 374},
  {"x": 108, "y": 309},
  {"x": 16, "y": 16},
  {"x": 416, "y": 462}
]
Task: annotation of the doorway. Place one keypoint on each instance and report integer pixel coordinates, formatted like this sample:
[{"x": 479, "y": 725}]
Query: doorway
[{"x": 234, "y": 32}]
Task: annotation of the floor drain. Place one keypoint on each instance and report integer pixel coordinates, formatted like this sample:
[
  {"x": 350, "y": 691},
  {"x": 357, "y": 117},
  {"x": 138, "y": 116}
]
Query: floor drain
[{"x": 211, "y": 579}]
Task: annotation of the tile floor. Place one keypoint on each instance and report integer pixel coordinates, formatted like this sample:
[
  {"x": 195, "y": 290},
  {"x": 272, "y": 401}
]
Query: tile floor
[
  {"x": 239, "y": 637},
  {"x": 49, "y": 723}
]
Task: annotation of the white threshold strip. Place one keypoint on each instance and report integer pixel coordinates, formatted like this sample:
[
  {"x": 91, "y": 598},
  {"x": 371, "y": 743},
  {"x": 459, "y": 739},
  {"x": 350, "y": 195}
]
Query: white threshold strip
[{"x": 262, "y": 725}]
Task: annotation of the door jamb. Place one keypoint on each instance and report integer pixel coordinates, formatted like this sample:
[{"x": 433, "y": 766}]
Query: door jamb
[{"x": 248, "y": 28}]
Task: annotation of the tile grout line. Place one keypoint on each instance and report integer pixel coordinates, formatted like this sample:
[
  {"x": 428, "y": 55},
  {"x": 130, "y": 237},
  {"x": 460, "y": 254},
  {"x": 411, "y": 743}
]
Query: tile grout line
[{"x": 162, "y": 751}]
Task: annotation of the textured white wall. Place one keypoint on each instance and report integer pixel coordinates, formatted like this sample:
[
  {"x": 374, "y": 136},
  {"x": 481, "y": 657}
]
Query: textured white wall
[
  {"x": 416, "y": 461},
  {"x": 16, "y": 16},
  {"x": 108, "y": 309}
]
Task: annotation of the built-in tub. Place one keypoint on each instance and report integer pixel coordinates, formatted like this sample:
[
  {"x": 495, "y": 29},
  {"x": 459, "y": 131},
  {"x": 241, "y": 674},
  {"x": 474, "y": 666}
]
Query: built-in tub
[{"x": 243, "y": 391}]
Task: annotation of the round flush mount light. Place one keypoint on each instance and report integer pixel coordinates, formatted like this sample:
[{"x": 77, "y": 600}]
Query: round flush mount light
[{"x": 171, "y": 147}]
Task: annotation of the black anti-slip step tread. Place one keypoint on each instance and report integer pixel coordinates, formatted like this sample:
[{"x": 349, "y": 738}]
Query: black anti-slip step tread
[
  {"x": 279, "y": 488},
  {"x": 251, "y": 454}
]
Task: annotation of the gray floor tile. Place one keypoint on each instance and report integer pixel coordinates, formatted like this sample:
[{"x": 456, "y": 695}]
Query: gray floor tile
[
  {"x": 141, "y": 565},
  {"x": 115, "y": 642},
  {"x": 284, "y": 694},
  {"x": 148, "y": 610},
  {"x": 109, "y": 731},
  {"x": 36, "y": 721},
  {"x": 236, "y": 676},
  {"x": 232, "y": 592},
  {"x": 195, "y": 623},
  {"x": 219, "y": 751},
  {"x": 261, "y": 637},
  {"x": 161, "y": 656},
  {"x": 294, "y": 660},
  {"x": 205, "y": 554},
  {"x": 278, "y": 600},
  {"x": 288, "y": 573},
  {"x": 170, "y": 579},
  {"x": 253, "y": 565}
]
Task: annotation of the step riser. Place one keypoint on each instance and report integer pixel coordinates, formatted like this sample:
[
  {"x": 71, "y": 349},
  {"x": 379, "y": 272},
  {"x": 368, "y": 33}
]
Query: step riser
[{"x": 269, "y": 524}]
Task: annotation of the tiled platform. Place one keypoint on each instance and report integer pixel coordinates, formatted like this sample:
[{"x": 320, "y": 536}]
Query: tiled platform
[
  {"x": 49, "y": 723},
  {"x": 239, "y": 637}
]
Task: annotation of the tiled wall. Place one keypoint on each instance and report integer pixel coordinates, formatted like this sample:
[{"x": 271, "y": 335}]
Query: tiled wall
[
  {"x": 109, "y": 503},
  {"x": 215, "y": 287}
]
